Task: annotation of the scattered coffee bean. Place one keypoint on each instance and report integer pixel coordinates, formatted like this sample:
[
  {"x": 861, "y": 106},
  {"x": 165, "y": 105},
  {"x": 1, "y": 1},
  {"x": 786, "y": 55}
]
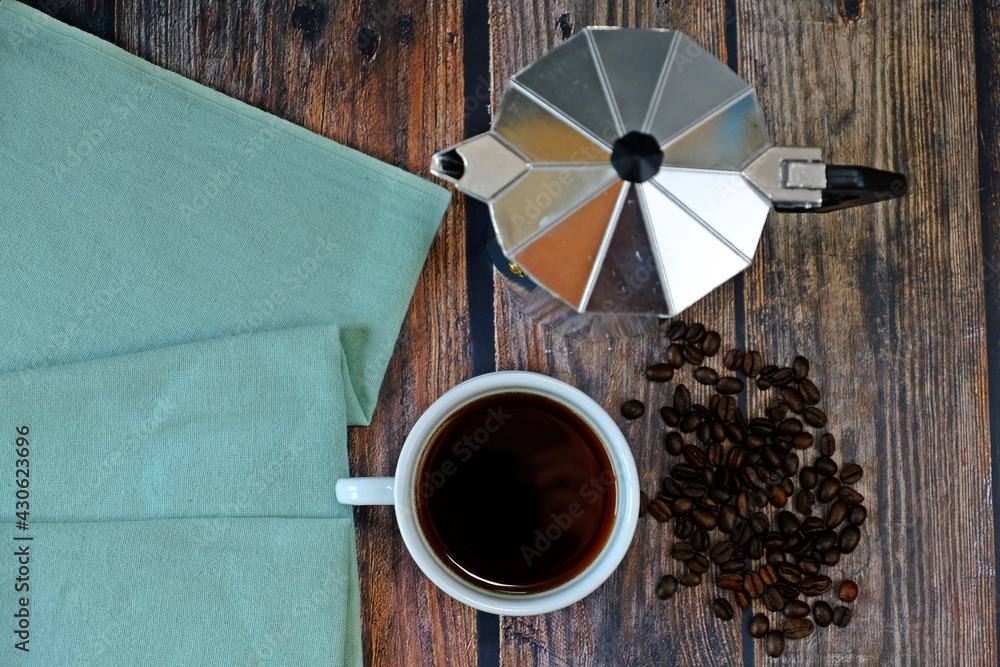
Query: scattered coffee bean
[
  {"x": 773, "y": 600},
  {"x": 682, "y": 551},
  {"x": 794, "y": 399},
  {"x": 682, "y": 400},
  {"x": 660, "y": 373},
  {"x": 842, "y": 617},
  {"x": 723, "y": 551},
  {"x": 674, "y": 443},
  {"x": 706, "y": 375},
  {"x": 759, "y": 626},
  {"x": 809, "y": 566},
  {"x": 633, "y": 409},
  {"x": 753, "y": 585},
  {"x": 777, "y": 409},
  {"x": 778, "y": 496},
  {"x": 643, "y": 503},
  {"x": 851, "y": 473},
  {"x": 675, "y": 355},
  {"x": 774, "y": 643},
  {"x": 814, "y": 417},
  {"x": 802, "y": 441},
  {"x": 857, "y": 515},
  {"x": 659, "y": 510},
  {"x": 804, "y": 501},
  {"x": 848, "y": 590},
  {"x": 693, "y": 355},
  {"x": 850, "y": 496},
  {"x": 816, "y": 585},
  {"x": 670, "y": 416},
  {"x": 768, "y": 575},
  {"x": 825, "y": 466},
  {"x": 729, "y": 581},
  {"x": 691, "y": 579},
  {"x": 695, "y": 332},
  {"x": 827, "y": 444},
  {"x": 801, "y": 366},
  {"x": 850, "y": 536},
  {"x": 763, "y": 384},
  {"x": 742, "y": 599},
  {"x": 752, "y": 364},
  {"x": 789, "y": 573},
  {"x": 828, "y": 489},
  {"x": 782, "y": 377},
  {"x": 705, "y": 519},
  {"x": 810, "y": 393},
  {"x": 822, "y": 613},
  {"x": 667, "y": 587},
  {"x": 722, "y": 609},
  {"x": 836, "y": 514},
  {"x": 796, "y": 609},
  {"x": 729, "y": 385},
  {"x": 710, "y": 344},
  {"x": 808, "y": 478},
  {"x": 798, "y": 628},
  {"x": 677, "y": 330},
  {"x": 733, "y": 359},
  {"x": 698, "y": 563}
]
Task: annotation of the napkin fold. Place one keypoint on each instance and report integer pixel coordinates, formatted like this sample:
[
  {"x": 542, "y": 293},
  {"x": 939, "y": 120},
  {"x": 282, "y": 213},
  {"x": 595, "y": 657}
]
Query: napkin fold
[{"x": 196, "y": 299}]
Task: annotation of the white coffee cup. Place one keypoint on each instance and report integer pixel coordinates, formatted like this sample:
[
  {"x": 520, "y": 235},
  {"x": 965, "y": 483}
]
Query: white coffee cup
[{"x": 400, "y": 491}]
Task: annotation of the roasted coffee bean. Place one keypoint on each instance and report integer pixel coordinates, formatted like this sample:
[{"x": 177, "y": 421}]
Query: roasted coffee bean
[
  {"x": 849, "y": 538},
  {"x": 815, "y": 585},
  {"x": 753, "y": 585},
  {"x": 728, "y": 518},
  {"x": 694, "y": 490},
  {"x": 762, "y": 427},
  {"x": 659, "y": 511},
  {"x": 681, "y": 506},
  {"x": 774, "y": 643},
  {"x": 755, "y": 548},
  {"x": 734, "y": 433},
  {"x": 796, "y": 609},
  {"x": 790, "y": 466},
  {"x": 814, "y": 417},
  {"x": 826, "y": 540},
  {"x": 822, "y": 613},
  {"x": 691, "y": 579},
  {"x": 782, "y": 377},
  {"x": 719, "y": 496},
  {"x": 660, "y": 373},
  {"x": 801, "y": 366},
  {"x": 786, "y": 591},
  {"x": 774, "y": 540},
  {"x": 670, "y": 416},
  {"x": 752, "y": 364},
  {"x": 676, "y": 330},
  {"x": 768, "y": 574},
  {"x": 698, "y": 563},
  {"x": 808, "y": 477},
  {"x": 793, "y": 397},
  {"x": 722, "y": 609},
  {"x": 802, "y": 441},
  {"x": 682, "y": 551},
  {"x": 851, "y": 473},
  {"x": 704, "y": 519},
  {"x": 798, "y": 628},
  {"x": 710, "y": 344},
  {"x": 778, "y": 496},
  {"x": 744, "y": 506},
  {"x": 706, "y": 375},
  {"x": 750, "y": 477},
  {"x": 730, "y": 581},
  {"x": 741, "y": 534},
  {"x": 789, "y": 573},
  {"x": 804, "y": 501},
  {"x": 684, "y": 528},
  {"x": 643, "y": 503},
  {"x": 827, "y": 444},
  {"x": 729, "y": 385},
  {"x": 675, "y": 355},
  {"x": 759, "y": 523},
  {"x": 850, "y": 496},
  {"x": 725, "y": 408},
  {"x": 682, "y": 400},
  {"x": 789, "y": 426},
  {"x": 776, "y": 410},
  {"x": 694, "y": 455},
  {"x": 813, "y": 526},
  {"x": 723, "y": 551},
  {"x": 693, "y": 355},
  {"x": 825, "y": 466},
  {"x": 857, "y": 516},
  {"x": 700, "y": 540},
  {"x": 832, "y": 556},
  {"x": 810, "y": 566},
  {"x": 836, "y": 514},
  {"x": 742, "y": 599},
  {"x": 763, "y": 384},
  {"x": 733, "y": 359},
  {"x": 759, "y": 498},
  {"x": 810, "y": 392},
  {"x": 787, "y": 523},
  {"x": 759, "y": 625},
  {"x": 772, "y": 457},
  {"x": 773, "y": 600},
  {"x": 842, "y": 617},
  {"x": 735, "y": 566},
  {"x": 753, "y": 442},
  {"x": 768, "y": 371},
  {"x": 717, "y": 431},
  {"x": 695, "y": 332},
  {"x": 674, "y": 443},
  {"x": 671, "y": 488},
  {"x": 717, "y": 457},
  {"x": 690, "y": 423},
  {"x": 848, "y": 590},
  {"x": 633, "y": 409},
  {"x": 683, "y": 472},
  {"x": 667, "y": 587},
  {"x": 828, "y": 489}
]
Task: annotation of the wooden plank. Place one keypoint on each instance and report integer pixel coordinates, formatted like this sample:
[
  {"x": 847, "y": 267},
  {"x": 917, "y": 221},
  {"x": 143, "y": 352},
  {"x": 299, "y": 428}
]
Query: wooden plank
[
  {"x": 623, "y": 623},
  {"x": 888, "y": 303},
  {"x": 380, "y": 79}
]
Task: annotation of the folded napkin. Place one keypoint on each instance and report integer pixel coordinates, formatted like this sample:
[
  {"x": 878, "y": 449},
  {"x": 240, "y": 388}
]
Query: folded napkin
[{"x": 197, "y": 298}]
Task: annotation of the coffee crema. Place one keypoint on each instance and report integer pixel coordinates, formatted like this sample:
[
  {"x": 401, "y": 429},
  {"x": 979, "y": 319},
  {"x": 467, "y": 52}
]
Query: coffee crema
[{"x": 516, "y": 493}]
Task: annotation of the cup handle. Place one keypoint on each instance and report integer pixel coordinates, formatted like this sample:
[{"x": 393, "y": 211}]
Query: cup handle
[{"x": 366, "y": 491}]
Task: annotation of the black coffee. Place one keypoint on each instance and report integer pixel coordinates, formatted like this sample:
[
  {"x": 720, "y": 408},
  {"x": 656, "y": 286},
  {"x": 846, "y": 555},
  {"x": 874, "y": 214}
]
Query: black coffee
[{"x": 516, "y": 493}]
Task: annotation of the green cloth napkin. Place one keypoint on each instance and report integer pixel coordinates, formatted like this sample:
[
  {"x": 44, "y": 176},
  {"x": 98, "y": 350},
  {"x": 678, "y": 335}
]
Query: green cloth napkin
[{"x": 196, "y": 299}]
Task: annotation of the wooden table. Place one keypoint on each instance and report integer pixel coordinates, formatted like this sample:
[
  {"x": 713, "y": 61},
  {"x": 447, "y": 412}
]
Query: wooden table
[{"x": 897, "y": 304}]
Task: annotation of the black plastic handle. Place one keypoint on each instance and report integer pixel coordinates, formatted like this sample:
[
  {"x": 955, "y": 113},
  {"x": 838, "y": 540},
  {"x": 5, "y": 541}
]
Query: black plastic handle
[{"x": 853, "y": 186}]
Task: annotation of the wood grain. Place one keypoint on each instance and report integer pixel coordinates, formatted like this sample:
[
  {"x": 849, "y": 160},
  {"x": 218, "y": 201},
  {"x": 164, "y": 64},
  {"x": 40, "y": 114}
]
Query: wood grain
[
  {"x": 888, "y": 302},
  {"x": 623, "y": 623},
  {"x": 384, "y": 79}
]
